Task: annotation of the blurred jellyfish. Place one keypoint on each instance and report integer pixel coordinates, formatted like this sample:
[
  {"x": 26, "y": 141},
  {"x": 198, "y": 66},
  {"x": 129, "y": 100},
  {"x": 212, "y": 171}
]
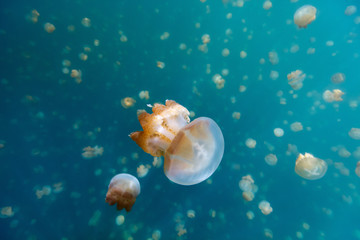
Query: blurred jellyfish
[
  {"x": 6, "y": 212},
  {"x": 160, "y": 64},
  {"x": 165, "y": 36},
  {"x": 182, "y": 46},
  {"x": 350, "y": 10},
  {"x": 295, "y": 79},
  {"x": 273, "y": 57},
  {"x": 250, "y": 143},
  {"x": 274, "y": 75},
  {"x": 268, "y": 233},
  {"x": 86, "y": 22},
  {"x": 236, "y": 115},
  {"x": 83, "y": 56},
  {"x": 92, "y": 152},
  {"x": 144, "y": 95},
  {"x": 242, "y": 88},
  {"x": 310, "y": 167},
  {"x": 338, "y": 78},
  {"x": 243, "y": 54},
  {"x": 310, "y": 51},
  {"x": 267, "y": 5},
  {"x": 265, "y": 207},
  {"x": 225, "y": 52},
  {"x": 128, "y": 102},
  {"x": 278, "y": 132},
  {"x": 190, "y": 213},
  {"x": 123, "y": 190},
  {"x": 357, "y": 169},
  {"x": 304, "y": 16},
  {"x": 333, "y": 96},
  {"x": 77, "y": 75},
  {"x": 329, "y": 43},
  {"x": 33, "y": 17},
  {"x": 225, "y": 72},
  {"x": 294, "y": 48},
  {"x": 248, "y": 196},
  {"x": 49, "y": 27},
  {"x": 219, "y": 81},
  {"x": 250, "y": 215},
  {"x": 192, "y": 151},
  {"x": 205, "y": 38},
  {"x": 156, "y": 235},
  {"x": 354, "y": 133},
  {"x": 271, "y": 159},
  {"x": 119, "y": 220},
  {"x": 142, "y": 170},
  {"x": 296, "y": 127},
  {"x": 247, "y": 184}
]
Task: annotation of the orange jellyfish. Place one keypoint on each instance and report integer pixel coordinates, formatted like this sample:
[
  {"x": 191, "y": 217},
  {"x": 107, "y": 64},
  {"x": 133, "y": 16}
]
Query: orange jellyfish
[
  {"x": 192, "y": 151},
  {"x": 123, "y": 190}
]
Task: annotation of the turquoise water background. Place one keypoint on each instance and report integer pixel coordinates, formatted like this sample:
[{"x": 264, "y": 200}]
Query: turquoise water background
[{"x": 47, "y": 118}]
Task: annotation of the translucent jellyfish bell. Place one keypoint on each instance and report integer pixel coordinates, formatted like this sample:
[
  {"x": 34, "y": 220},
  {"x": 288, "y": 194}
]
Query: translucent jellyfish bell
[
  {"x": 123, "y": 190},
  {"x": 192, "y": 151},
  {"x": 304, "y": 16},
  {"x": 310, "y": 167}
]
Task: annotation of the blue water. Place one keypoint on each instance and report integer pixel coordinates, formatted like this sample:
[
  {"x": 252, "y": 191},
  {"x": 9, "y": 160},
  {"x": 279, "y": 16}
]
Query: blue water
[{"x": 47, "y": 118}]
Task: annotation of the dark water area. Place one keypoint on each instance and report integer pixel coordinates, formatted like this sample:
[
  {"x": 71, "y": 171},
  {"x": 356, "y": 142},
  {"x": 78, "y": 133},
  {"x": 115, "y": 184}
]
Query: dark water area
[{"x": 48, "y": 116}]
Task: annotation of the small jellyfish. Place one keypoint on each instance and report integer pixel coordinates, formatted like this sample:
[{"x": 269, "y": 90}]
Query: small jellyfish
[
  {"x": 265, "y": 207},
  {"x": 243, "y": 54},
  {"x": 192, "y": 151},
  {"x": 250, "y": 215},
  {"x": 128, "y": 102},
  {"x": 86, "y": 22},
  {"x": 219, "y": 81},
  {"x": 304, "y": 16},
  {"x": 273, "y": 57},
  {"x": 357, "y": 169},
  {"x": 77, "y": 75},
  {"x": 144, "y": 95},
  {"x": 296, "y": 127},
  {"x": 225, "y": 52},
  {"x": 165, "y": 36},
  {"x": 350, "y": 10},
  {"x": 248, "y": 196},
  {"x": 6, "y": 212},
  {"x": 205, "y": 38},
  {"x": 271, "y": 159},
  {"x": 49, "y": 27},
  {"x": 338, "y": 78},
  {"x": 333, "y": 96},
  {"x": 160, "y": 64},
  {"x": 295, "y": 79},
  {"x": 278, "y": 132},
  {"x": 310, "y": 167},
  {"x": 236, "y": 115},
  {"x": 123, "y": 190},
  {"x": 250, "y": 143},
  {"x": 267, "y": 5},
  {"x": 354, "y": 133}
]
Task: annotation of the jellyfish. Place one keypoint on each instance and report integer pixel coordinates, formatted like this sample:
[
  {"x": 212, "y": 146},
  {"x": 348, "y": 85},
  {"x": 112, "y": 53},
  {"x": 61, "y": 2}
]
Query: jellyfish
[
  {"x": 123, "y": 190},
  {"x": 192, "y": 151},
  {"x": 310, "y": 167},
  {"x": 265, "y": 207},
  {"x": 304, "y": 16}
]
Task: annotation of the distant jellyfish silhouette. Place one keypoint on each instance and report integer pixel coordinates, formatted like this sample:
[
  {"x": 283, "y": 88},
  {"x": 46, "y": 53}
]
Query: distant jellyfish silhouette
[
  {"x": 192, "y": 151},
  {"x": 123, "y": 190}
]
